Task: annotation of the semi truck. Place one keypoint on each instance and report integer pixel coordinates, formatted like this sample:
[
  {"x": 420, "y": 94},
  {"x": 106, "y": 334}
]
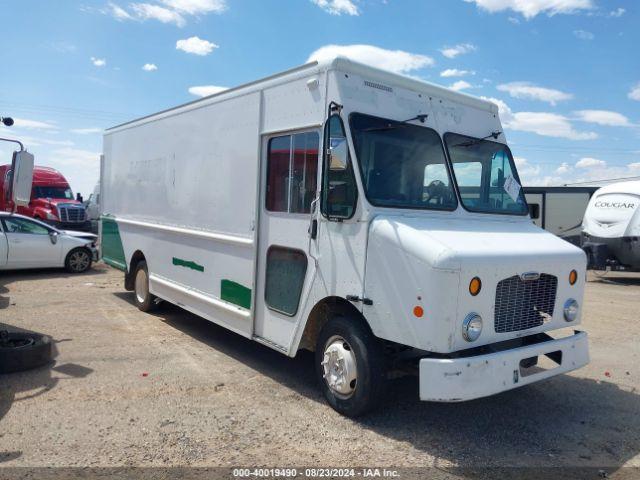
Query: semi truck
[
  {"x": 52, "y": 200},
  {"x": 372, "y": 218}
]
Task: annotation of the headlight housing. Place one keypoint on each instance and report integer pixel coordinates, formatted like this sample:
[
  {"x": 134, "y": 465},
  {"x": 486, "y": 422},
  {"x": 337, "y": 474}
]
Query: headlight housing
[
  {"x": 472, "y": 327},
  {"x": 51, "y": 216},
  {"x": 570, "y": 310}
]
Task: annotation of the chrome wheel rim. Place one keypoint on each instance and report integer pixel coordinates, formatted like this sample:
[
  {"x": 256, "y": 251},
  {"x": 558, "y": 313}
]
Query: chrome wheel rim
[
  {"x": 142, "y": 288},
  {"x": 79, "y": 261},
  {"x": 339, "y": 367}
]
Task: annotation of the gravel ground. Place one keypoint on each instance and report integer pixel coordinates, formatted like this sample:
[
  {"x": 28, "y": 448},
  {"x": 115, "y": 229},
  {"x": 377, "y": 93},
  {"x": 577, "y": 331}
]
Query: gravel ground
[{"x": 171, "y": 389}]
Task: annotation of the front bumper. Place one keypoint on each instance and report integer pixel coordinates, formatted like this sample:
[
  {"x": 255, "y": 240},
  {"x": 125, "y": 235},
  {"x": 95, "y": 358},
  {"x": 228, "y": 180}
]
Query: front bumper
[
  {"x": 95, "y": 255},
  {"x": 466, "y": 378}
]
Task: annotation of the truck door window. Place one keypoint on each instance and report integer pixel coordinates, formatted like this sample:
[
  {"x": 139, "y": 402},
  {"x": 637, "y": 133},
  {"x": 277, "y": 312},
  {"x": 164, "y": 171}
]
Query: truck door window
[
  {"x": 339, "y": 190},
  {"x": 286, "y": 269},
  {"x": 292, "y": 172}
]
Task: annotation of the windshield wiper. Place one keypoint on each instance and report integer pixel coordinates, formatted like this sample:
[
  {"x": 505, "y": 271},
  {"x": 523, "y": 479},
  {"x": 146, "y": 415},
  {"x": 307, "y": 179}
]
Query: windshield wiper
[
  {"x": 392, "y": 126},
  {"x": 476, "y": 141}
]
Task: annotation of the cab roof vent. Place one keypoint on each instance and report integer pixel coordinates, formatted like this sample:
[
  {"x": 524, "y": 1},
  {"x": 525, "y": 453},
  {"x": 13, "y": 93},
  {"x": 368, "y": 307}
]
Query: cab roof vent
[{"x": 379, "y": 86}]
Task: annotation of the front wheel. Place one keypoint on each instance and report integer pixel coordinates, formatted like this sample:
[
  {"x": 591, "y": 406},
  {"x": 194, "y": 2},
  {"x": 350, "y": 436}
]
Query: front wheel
[
  {"x": 350, "y": 366},
  {"x": 78, "y": 260}
]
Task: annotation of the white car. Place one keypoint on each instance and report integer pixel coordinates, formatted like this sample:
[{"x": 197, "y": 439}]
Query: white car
[{"x": 29, "y": 243}]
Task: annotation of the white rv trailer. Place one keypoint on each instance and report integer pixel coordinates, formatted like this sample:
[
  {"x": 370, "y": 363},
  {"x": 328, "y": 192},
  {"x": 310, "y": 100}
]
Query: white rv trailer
[
  {"x": 559, "y": 210},
  {"x": 363, "y": 215},
  {"x": 611, "y": 227}
]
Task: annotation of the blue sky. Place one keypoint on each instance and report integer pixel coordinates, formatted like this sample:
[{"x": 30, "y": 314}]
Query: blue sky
[{"x": 565, "y": 73}]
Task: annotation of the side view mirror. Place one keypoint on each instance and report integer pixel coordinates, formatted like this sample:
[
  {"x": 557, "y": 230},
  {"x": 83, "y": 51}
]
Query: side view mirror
[
  {"x": 22, "y": 178},
  {"x": 338, "y": 154},
  {"x": 53, "y": 236}
]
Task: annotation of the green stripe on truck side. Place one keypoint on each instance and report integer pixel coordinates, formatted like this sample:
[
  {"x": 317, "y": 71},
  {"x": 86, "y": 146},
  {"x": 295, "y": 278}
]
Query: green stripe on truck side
[
  {"x": 235, "y": 293},
  {"x": 188, "y": 264},
  {"x": 111, "y": 244}
]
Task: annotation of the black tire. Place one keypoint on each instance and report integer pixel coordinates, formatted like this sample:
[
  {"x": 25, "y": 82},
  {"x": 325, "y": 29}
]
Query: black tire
[
  {"x": 144, "y": 300},
  {"x": 78, "y": 260},
  {"x": 21, "y": 351},
  {"x": 369, "y": 386}
]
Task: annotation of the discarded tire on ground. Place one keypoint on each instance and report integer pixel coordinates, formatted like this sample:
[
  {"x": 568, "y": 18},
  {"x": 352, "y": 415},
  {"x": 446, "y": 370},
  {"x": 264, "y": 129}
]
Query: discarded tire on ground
[{"x": 23, "y": 350}]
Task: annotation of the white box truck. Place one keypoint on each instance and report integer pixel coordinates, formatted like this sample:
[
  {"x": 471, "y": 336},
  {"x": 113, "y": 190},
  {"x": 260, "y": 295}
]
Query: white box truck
[{"x": 375, "y": 219}]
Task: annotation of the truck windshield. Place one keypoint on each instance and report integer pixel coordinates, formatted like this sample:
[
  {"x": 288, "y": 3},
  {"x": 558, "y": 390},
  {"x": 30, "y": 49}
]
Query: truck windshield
[
  {"x": 52, "y": 192},
  {"x": 486, "y": 175},
  {"x": 402, "y": 165}
]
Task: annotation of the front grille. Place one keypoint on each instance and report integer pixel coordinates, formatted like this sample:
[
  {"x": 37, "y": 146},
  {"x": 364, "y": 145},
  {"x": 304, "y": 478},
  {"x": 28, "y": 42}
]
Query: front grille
[
  {"x": 72, "y": 214},
  {"x": 524, "y": 304}
]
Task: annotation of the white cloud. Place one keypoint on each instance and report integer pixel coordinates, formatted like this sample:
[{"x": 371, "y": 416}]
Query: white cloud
[
  {"x": 603, "y": 117},
  {"x": 541, "y": 123},
  {"x": 149, "y": 67},
  {"x": 98, "y": 62},
  {"x": 527, "y": 90},
  {"x": 118, "y": 12},
  {"x": 168, "y": 11},
  {"x": 196, "y": 46},
  {"x": 531, "y": 8},
  {"x": 634, "y": 166},
  {"x": 460, "y": 85},
  {"x": 454, "y": 72},
  {"x": 634, "y": 94},
  {"x": 86, "y": 131},
  {"x": 528, "y": 172},
  {"x": 196, "y": 7},
  {"x": 80, "y": 167},
  {"x": 206, "y": 90},
  {"x": 147, "y": 11},
  {"x": 618, "y": 12},
  {"x": 584, "y": 35},
  {"x": 453, "y": 52},
  {"x": 563, "y": 168},
  {"x": 397, "y": 61},
  {"x": 338, "y": 7},
  {"x": 588, "y": 162},
  {"x": 33, "y": 124}
]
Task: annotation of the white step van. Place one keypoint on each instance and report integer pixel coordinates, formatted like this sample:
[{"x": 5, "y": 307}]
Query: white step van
[{"x": 373, "y": 218}]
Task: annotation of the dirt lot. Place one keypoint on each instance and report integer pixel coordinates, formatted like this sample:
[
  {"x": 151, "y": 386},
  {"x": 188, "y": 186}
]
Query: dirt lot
[{"x": 129, "y": 388}]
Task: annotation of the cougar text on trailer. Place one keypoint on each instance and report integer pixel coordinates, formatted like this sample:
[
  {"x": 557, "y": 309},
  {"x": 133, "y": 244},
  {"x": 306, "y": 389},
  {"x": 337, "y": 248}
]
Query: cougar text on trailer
[{"x": 372, "y": 218}]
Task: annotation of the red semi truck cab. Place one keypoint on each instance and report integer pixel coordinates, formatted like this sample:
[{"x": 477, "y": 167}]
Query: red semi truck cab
[{"x": 52, "y": 200}]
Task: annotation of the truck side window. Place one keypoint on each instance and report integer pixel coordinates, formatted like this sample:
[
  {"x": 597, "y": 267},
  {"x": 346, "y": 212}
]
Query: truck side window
[
  {"x": 292, "y": 172},
  {"x": 339, "y": 190}
]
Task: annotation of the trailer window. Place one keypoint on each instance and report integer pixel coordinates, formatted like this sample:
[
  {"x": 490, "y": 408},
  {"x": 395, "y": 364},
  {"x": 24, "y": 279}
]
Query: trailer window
[
  {"x": 292, "y": 171},
  {"x": 286, "y": 270}
]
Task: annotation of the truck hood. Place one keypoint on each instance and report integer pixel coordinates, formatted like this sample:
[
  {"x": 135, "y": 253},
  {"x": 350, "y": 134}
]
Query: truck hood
[
  {"x": 429, "y": 261},
  {"x": 84, "y": 235},
  {"x": 454, "y": 243}
]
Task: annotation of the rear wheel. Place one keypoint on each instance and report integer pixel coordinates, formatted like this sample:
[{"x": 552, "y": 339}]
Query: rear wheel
[
  {"x": 78, "y": 260},
  {"x": 350, "y": 366},
  {"x": 145, "y": 301}
]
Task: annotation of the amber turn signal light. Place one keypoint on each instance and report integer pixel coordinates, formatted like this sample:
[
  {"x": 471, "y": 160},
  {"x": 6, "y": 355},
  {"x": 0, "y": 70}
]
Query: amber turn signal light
[
  {"x": 475, "y": 286},
  {"x": 573, "y": 277},
  {"x": 418, "y": 311}
]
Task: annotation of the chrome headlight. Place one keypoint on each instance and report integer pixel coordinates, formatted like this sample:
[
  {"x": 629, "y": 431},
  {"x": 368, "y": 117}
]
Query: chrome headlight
[
  {"x": 571, "y": 308},
  {"x": 51, "y": 216},
  {"x": 472, "y": 327}
]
